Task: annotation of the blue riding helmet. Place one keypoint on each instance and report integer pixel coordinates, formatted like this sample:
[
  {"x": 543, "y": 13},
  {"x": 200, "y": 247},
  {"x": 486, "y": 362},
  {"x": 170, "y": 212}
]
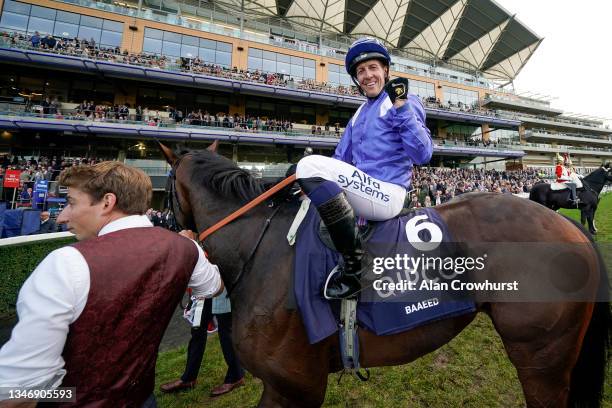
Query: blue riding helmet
[{"x": 365, "y": 49}]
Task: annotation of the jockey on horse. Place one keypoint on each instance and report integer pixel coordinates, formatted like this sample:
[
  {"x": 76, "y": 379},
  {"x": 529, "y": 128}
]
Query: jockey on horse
[
  {"x": 371, "y": 169},
  {"x": 566, "y": 175}
]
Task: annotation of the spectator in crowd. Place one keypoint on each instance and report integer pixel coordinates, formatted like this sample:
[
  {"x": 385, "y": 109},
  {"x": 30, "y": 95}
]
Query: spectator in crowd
[
  {"x": 48, "y": 42},
  {"x": 24, "y": 177},
  {"x": 74, "y": 291},
  {"x": 26, "y": 195},
  {"x": 35, "y": 39},
  {"x": 47, "y": 225},
  {"x": 414, "y": 202},
  {"x": 195, "y": 348},
  {"x": 46, "y": 105},
  {"x": 234, "y": 377},
  {"x": 438, "y": 198}
]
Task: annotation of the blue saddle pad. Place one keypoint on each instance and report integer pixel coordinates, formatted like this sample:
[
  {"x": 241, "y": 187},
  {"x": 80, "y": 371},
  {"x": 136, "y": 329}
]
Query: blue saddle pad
[{"x": 383, "y": 312}]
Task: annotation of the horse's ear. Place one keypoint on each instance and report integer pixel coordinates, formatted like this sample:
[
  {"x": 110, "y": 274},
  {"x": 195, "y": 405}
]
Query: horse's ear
[
  {"x": 168, "y": 154},
  {"x": 213, "y": 147}
]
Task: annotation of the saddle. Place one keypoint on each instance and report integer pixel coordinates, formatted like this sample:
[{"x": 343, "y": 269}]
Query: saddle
[
  {"x": 556, "y": 186},
  {"x": 315, "y": 258}
]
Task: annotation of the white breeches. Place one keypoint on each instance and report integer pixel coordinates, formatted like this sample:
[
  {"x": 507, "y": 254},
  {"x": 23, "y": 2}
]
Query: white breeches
[{"x": 370, "y": 198}]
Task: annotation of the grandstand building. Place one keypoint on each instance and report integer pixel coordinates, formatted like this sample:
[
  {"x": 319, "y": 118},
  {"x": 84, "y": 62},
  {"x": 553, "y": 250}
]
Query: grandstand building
[{"x": 86, "y": 78}]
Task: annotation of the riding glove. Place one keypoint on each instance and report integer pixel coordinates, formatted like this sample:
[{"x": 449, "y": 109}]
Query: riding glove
[{"x": 397, "y": 88}]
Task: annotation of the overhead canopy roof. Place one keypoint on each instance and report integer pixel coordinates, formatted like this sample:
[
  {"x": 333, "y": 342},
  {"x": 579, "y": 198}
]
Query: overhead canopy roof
[{"x": 476, "y": 35}]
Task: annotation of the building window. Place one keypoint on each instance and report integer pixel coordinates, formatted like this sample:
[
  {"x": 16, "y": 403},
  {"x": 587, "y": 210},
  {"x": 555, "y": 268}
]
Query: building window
[
  {"x": 187, "y": 46},
  {"x": 270, "y": 109},
  {"x": 337, "y": 75},
  {"x": 422, "y": 89},
  {"x": 28, "y": 19},
  {"x": 276, "y": 63},
  {"x": 457, "y": 96}
]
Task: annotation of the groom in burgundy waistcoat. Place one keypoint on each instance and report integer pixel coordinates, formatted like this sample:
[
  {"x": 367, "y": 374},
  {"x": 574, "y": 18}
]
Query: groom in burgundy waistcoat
[{"x": 92, "y": 315}]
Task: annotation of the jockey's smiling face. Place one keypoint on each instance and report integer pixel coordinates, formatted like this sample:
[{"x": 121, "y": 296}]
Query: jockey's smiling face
[
  {"x": 371, "y": 75},
  {"x": 84, "y": 217}
]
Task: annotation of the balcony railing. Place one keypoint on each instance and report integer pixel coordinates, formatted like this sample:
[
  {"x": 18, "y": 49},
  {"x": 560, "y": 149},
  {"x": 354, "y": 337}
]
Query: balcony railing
[
  {"x": 154, "y": 120},
  {"x": 223, "y": 23}
]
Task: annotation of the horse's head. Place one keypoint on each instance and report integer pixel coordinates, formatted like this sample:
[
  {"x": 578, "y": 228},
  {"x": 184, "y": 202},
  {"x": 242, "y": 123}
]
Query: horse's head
[
  {"x": 599, "y": 178},
  {"x": 177, "y": 190},
  {"x": 608, "y": 169}
]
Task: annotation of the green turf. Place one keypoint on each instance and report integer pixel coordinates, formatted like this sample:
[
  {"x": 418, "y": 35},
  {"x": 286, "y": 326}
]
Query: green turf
[{"x": 470, "y": 371}]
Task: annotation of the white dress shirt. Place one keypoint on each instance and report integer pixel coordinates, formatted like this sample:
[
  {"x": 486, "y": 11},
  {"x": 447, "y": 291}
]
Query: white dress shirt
[{"x": 52, "y": 298}]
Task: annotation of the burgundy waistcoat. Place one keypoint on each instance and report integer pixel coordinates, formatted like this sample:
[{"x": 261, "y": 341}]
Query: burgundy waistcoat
[{"x": 138, "y": 276}]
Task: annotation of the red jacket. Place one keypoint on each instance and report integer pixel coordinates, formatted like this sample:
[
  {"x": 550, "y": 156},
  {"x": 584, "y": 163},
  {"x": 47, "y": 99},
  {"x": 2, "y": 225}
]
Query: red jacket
[{"x": 561, "y": 173}]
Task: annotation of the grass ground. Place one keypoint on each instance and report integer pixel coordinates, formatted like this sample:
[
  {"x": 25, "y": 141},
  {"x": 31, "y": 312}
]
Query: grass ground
[{"x": 470, "y": 371}]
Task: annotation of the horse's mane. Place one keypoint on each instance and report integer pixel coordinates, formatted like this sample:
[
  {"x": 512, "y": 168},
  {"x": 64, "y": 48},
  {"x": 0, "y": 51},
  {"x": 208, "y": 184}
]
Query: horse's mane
[
  {"x": 221, "y": 175},
  {"x": 596, "y": 173}
]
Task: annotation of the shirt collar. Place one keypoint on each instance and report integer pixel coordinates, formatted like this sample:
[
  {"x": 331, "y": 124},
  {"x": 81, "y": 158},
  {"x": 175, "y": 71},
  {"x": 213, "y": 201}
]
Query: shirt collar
[
  {"x": 130, "y": 221},
  {"x": 381, "y": 95}
]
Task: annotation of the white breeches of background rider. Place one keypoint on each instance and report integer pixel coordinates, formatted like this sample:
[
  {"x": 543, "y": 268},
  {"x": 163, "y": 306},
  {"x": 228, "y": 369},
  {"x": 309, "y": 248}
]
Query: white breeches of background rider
[
  {"x": 370, "y": 198},
  {"x": 574, "y": 178}
]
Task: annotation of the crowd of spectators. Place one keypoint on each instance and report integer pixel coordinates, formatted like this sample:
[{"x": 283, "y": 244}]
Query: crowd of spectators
[
  {"x": 430, "y": 185},
  {"x": 89, "y": 49},
  {"x": 36, "y": 169},
  {"x": 437, "y": 185},
  {"x": 458, "y": 106},
  {"x": 163, "y": 219},
  {"x": 89, "y": 110},
  {"x": 235, "y": 121}
]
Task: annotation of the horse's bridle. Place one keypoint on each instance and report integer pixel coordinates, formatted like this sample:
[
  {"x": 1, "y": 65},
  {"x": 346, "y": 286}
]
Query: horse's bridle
[{"x": 173, "y": 197}]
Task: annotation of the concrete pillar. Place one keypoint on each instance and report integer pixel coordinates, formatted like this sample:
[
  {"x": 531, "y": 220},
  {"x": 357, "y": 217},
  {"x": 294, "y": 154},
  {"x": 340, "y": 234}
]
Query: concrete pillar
[
  {"x": 521, "y": 132},
  {"x": 237, "y": 105},
  {"x": 438, "y": 91},
  {"x": 442, "y": 132},
  {"x": 485, "y": 132},
  {"x": 240, "y": 53},
  {"x": 322, "y": 117},
  {"x": 322, "y": 70},
  {"x": 133, "y": 36},
  {"x": 129, "y": 98}
]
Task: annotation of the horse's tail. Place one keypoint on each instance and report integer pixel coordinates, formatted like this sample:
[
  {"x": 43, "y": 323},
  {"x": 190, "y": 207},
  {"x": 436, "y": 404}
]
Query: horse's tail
[{"x": 589, "y": 373}]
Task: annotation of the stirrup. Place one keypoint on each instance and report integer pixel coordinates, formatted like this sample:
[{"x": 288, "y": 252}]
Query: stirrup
[
  {"x": 352, "y": 296},
  {"x": 332, "y": 273}
]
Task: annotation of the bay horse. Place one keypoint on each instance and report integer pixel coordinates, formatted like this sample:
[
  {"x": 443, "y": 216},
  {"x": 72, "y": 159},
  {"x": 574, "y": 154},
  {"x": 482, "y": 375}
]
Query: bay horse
[
  {"x": 593, "y": 183},
  {"x": 559, "y": 349}
]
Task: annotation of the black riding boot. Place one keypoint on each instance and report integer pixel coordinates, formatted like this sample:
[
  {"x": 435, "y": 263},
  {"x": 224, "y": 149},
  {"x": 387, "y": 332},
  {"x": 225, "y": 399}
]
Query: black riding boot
[{"x": 339, "y": 218}]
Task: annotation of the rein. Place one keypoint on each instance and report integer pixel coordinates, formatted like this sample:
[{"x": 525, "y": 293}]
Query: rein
[
  {"x": 234, "y": 284},
  {"x": 242, "y": 210},
  {"x": 173, "y": 196}
]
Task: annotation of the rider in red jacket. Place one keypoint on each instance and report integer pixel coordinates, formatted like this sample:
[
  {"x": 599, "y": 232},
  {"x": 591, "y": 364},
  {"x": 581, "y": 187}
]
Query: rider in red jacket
[{"x": 563, "y": 176}]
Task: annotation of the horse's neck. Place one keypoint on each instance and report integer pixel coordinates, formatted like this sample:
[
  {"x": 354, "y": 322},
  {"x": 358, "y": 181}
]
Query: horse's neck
[
  {"x": 232, "y": 246},
  {"x": 594, "y": 181}
]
